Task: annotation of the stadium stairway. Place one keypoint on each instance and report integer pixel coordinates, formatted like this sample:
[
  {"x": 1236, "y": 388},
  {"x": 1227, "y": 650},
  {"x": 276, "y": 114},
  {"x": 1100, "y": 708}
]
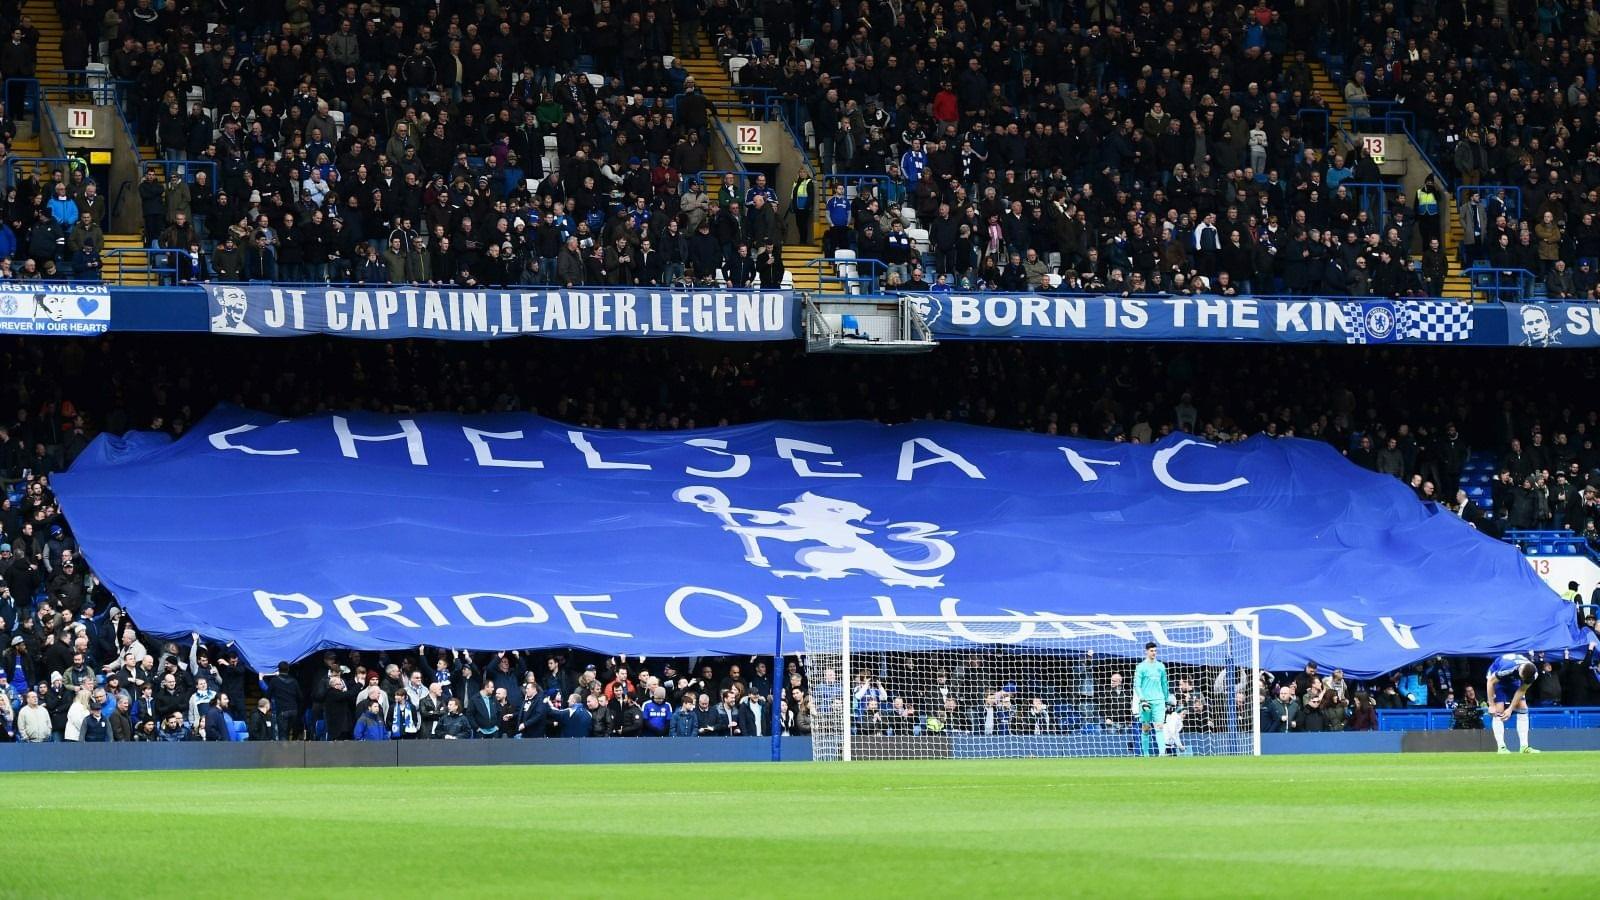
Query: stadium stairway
[
  {"x": 48, "y": 20},
  {"x": 1331, "y": 94},
  {"x": 1477, "y": 478},
  {"x": 713, "y": 79},
  {"x": 125, "y": 268},
  {"x": 48, "y": 71},
  {"x": 1456, "y": 283},
  {"x": 797, "y": 255}
]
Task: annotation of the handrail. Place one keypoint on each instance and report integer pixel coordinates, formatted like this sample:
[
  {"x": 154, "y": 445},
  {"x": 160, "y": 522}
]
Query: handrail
[
  {"x": 795, "y": 135},
  {"x": 1387, "y": 106},
  {"x": 1365, "y": 192},
  {"x": 713, "y": 181},
  {"x": 1531, "y": 542},
  {"x": 190, "y": 168},
  {"x": 49, "y": 116},
  {"x": 759, "y": 101},
  {"x": 122, "y": 193},
  {"x": 65, "y": 163},
  {"x": 100, "y": 94},
  {"x": 885, "y": 188},
  {"x": 732, "y": 147},
  {"x": 1496, "y": 282},
  {"x": 97, "y": 85},
  {"x": 850, "y": 280},
  {"x": 165, "y": 273}
]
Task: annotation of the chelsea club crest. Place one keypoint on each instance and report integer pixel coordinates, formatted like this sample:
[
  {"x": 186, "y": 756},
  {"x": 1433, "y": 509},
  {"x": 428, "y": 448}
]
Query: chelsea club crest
[{"x": 1379, "y": 322}]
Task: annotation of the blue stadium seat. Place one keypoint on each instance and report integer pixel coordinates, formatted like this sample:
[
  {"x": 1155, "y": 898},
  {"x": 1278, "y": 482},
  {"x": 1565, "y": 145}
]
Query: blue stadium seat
[{"x": 241, "y": 731}]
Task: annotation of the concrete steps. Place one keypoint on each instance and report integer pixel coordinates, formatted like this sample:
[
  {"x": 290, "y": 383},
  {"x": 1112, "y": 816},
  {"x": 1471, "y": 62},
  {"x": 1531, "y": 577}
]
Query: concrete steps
[
  {"x": 796, "y": 255},
  {"x": 1456, "y": 282},
  {"x": 47, "y": 19},
  {"x": 1332, "y": 94},
  {"x": 710, "y": 77},
  {"x": 114, "y": 269}
]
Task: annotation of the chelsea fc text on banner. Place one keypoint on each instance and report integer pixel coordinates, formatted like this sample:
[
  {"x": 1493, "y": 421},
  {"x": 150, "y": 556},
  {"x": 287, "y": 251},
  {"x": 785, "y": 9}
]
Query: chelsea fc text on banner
[
  {"x": 58, "y": 309},
  {"x": 463, "y": 314},
  {"x": 513, "y": 531}
]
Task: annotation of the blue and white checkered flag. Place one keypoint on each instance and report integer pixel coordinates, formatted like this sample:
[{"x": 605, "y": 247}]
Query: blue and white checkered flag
[{"x": 1390, "y": 321}]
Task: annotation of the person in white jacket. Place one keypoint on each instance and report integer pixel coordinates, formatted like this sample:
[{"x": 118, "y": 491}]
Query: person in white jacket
[
  {"x": 76, "y": 713},
  {"x": 33, "y": 721}
]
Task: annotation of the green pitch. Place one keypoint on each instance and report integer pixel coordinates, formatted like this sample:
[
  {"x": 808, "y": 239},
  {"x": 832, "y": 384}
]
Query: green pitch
[{"x": 1346, "y": 826}]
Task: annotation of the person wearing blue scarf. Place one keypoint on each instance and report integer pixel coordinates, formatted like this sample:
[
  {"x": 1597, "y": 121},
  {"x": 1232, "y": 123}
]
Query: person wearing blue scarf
[{"x": 403, "y": 718}]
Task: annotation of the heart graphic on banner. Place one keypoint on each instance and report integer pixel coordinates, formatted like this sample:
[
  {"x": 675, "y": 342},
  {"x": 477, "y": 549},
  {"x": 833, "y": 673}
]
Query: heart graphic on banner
[{"x": 87, "y": 305}]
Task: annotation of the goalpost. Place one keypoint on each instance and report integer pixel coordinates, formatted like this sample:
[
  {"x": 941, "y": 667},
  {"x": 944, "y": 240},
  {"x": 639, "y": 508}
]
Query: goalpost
[{"x": 935, "y": 687}]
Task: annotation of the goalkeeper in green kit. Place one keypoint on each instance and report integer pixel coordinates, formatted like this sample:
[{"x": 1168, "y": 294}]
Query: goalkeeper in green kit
[{"x": 1150, "y": 699}]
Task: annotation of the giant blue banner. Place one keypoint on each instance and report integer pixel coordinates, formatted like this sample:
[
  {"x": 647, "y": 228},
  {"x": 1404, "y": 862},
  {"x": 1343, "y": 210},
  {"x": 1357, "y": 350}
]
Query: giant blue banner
[
  {"x": 512, "y": 531},
  {"x": 1061, "y": 317},
  {"x": 399, "y": 311}
]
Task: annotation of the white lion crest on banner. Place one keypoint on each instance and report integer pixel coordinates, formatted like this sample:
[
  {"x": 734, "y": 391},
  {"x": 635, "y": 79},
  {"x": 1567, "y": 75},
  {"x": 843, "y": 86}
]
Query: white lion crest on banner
[{"x": 841, "y": 531}]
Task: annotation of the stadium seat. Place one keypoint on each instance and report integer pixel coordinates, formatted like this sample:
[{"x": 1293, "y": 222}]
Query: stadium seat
[
  {"x": 734, "y": 65},
  {"x": 596, "y": 80}
]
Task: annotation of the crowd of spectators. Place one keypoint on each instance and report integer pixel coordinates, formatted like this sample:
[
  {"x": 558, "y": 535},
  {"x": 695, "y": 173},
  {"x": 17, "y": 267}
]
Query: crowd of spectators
[
  {"x": 75, "y": 674},
  {"x": 64, "y": 635},
  {"x": 1163, "y": 145}
]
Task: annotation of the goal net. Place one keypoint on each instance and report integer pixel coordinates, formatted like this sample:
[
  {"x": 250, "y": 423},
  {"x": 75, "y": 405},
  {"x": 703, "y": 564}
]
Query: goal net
[{"x": 910, "y": 687}]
